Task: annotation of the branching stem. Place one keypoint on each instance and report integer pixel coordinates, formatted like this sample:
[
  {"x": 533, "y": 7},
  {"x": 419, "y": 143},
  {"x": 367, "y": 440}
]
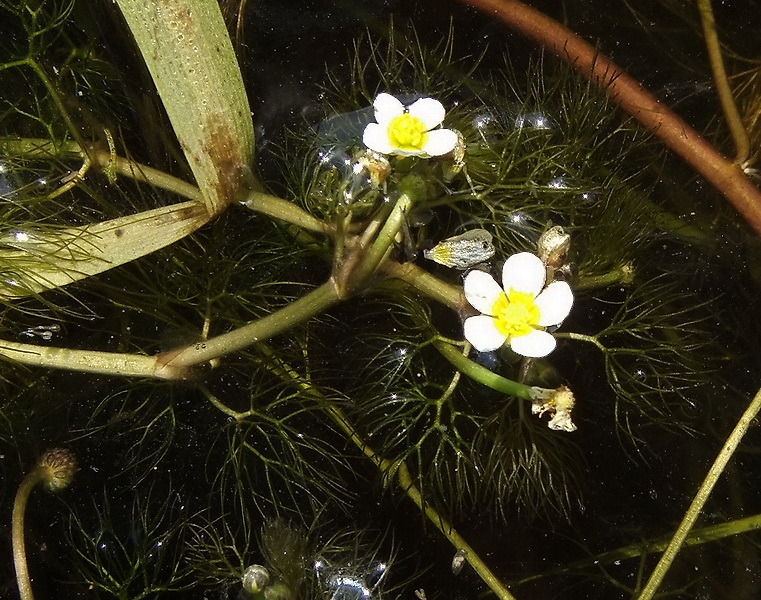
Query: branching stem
[
  {"x": 313, "y": 303},
  {"x": 395, "y": 470},
  {"x": 380, "y": 247},
  {"x": 283, "y": 210}
]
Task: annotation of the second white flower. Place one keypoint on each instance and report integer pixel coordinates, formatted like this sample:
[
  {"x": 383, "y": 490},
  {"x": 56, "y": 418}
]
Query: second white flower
[{"x": 519, "y": 311}]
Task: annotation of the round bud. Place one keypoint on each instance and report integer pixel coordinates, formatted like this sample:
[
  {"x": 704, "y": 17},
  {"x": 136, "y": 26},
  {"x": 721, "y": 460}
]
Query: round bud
[
  {"x": 553, "y": 247},
  {"x": 255, "y": 579},
  {"x": 59, "y": 466}
]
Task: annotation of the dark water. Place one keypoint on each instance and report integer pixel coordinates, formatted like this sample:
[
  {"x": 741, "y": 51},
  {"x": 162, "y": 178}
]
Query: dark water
[{"x": 172, "y": 494}]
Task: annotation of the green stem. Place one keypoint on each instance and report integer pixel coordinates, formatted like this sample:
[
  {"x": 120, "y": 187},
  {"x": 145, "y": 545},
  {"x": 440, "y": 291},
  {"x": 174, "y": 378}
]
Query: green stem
[
  {"x": 693, "y": 512},
  {"x": 283, "y": 210},
  {"x": 702, "y": 535},
  {"x": 174, "y": 364},
  {"x": 221, "y": 406},
  {"x": 87, "y": 361},
  {"x": 728, "y": 105},
  {"x": 257, "y": 201},
  {"x": 581, "y": 337},
  {"x": 41, "y": 148},
  {"x": 313, "y": 303},
  {"x": 488, "y": 378},
  {"x": 425, "y": 283},
  {"x": 17, "y": 531},
  {"x": 407, "y": 483}
]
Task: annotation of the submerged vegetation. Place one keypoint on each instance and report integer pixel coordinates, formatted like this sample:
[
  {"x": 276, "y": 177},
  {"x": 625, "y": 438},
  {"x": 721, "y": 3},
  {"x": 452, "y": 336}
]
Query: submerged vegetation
[{"x": 440, "y": 314}]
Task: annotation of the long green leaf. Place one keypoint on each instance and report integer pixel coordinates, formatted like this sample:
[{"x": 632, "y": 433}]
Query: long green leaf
[{"x": 190, "y": 57}]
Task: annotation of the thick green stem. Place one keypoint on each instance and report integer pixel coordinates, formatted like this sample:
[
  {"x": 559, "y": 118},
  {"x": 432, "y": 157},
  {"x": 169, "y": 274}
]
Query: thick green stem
[
  {"x": 87, "y": 361},
  {"x": 693, "y": 512},
  {"x": 315, "y": 302},
  {"x": 378, "y": 250},
  {"x": 427, "y": 284},
  {"x": 174, "y": 364},
  {"x": 283, "y": 210}
]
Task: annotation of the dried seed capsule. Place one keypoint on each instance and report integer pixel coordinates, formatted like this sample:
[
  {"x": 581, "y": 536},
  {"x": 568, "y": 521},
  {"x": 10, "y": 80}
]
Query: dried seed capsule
[{"x": 463, "y": 251}]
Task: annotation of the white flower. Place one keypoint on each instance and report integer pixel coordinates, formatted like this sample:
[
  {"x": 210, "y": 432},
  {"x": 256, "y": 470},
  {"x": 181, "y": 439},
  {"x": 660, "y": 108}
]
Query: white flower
[
  {"x": 408, "y": 131},
  {"x": 519, "y": 313}
]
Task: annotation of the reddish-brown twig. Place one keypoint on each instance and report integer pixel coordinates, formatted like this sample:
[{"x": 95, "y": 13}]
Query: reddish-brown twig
[{"x": 632, "y": 97}]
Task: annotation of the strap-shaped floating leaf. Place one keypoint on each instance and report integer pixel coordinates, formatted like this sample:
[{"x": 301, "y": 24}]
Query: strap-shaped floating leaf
[
  {"x": 33, "y": 261},
  {"x": 190, "y": 57}
]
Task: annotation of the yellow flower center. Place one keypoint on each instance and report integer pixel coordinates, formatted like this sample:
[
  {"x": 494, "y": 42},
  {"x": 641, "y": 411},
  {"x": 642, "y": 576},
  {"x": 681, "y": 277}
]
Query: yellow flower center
[
  {"x": 407, "y": 133},
  {"x": 515, "y": 314}
]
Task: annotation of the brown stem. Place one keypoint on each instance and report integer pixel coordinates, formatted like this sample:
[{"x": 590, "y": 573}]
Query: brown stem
[{"x": 631, "y": 96}]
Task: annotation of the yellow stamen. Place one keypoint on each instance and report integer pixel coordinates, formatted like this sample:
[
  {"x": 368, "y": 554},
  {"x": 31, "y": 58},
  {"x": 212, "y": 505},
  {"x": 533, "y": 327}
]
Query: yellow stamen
[
  {"x": 515, "y": 314},
  {"x": 407, "y": 133}
]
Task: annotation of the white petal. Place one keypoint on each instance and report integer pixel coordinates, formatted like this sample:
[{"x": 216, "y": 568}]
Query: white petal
[
  {"x": 375, "y": 137},
  {"x": 400, "y": 152},
  {"x": 524, "y": 272},
  {"x": 534, "y": 345},
  {"x": 440, "y": 141},
  {"x": 429, "y": 111},
  {"x": 554, "y": 303},
  {"x": 481, "y": 291},
  {"x": 483, "y": 334},
  {"x": 387, "y": 108}
]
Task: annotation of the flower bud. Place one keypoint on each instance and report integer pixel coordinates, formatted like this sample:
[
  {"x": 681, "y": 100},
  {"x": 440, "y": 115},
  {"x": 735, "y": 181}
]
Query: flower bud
[
  {"x": 553, "y": 247},
  {"x": 59, "y": 466},
  {"x": 255, "y": 579}
]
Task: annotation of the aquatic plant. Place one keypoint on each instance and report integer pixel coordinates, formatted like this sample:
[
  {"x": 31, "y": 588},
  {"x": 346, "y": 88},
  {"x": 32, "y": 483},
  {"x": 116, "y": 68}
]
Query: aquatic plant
[{"x": 287, "y": 372}]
